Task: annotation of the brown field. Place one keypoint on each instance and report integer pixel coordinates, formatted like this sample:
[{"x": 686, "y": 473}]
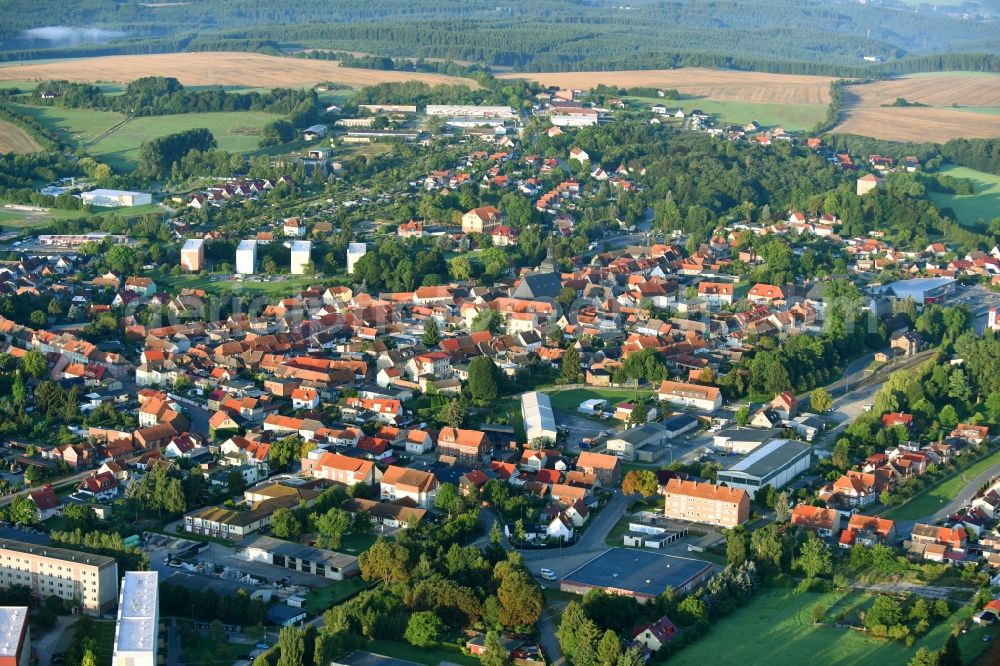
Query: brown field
[
  {"x": 716, "y": 84},
  {"x": 935, "y": 125},
  {"x": 215, "y": 68},
  {"x": 13, "y": 139},
  {"x": 942, "y": 89},
  {"x": 939, "y": 121}
]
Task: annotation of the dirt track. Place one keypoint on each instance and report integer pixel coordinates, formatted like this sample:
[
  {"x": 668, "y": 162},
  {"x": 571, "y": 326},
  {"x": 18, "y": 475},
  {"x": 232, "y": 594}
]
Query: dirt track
[{"x": 13, "y": 139}]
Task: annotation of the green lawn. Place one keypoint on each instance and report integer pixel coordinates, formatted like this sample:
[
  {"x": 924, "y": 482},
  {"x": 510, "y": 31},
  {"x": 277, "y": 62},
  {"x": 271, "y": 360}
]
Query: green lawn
[
  {"x": 235, "y": 132},
  {"x": 285, "y": 286},
  {"x": 931, "y": 500},
  {"x": 431, "y": 657},
  {"x": 789, "y": 116},
  {"x": 356, "y": 544},
  {"x": 569, "y": 400},
  {"x": 323, "y": 598},
  {"x": 104, "y": 633},
  {"x": 776, "y": 628},
  {"x": 196, "y": 649},
  {"x": 508, "y": 410},
  {"x": 971, "y": 209}
]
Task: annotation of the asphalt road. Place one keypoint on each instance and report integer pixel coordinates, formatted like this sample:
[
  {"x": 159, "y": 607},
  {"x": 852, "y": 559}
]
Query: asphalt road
[{"x": 565, "y": 559}]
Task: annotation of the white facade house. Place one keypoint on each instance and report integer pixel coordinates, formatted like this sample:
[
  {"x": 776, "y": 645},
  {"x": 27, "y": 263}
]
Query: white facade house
[
  {"x": 471, "y": 111},
  {"x": 301, "y": 256},
  {"x": 354, "y": 252},
  {"x": 246, "y": 257},
  {"x": 137, "y": 629}
]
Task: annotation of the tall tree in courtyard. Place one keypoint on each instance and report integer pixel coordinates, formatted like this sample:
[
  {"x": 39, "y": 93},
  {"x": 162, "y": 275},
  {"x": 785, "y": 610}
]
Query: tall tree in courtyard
[
  {"x": 570, "y": 372},
  {"x": 483, "y": 380}
]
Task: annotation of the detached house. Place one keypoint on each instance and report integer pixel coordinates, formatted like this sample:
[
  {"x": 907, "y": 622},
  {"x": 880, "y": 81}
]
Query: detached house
[
  {"x": 403, "y": 482},
  {"x": 468, "y": 446},
  {"x": 867, "y": 531},
  {"x": 342, "y": 469},
  {"x": 705, "y": 398},
  {"x": 824, "y": 522}
]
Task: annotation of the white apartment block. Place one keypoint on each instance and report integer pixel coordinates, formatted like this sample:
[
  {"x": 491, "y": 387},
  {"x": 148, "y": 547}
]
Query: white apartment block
[{"x": 137, "y": 629}]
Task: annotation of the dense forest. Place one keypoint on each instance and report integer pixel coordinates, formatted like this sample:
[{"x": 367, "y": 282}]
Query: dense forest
[
  {"x": 160, "y": 96},
  {"x": 812, "y": 36}
]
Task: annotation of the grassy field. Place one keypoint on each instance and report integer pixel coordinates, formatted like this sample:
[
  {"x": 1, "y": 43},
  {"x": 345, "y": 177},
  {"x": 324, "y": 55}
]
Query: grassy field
[
  {"x": 776, "y": 628},
  {"x": 726, "y": 112},
  {"x": 932, "y": 499},
  {"x": 36, "y": 222},
  {"x": 569, "y": 400},
  {"x": 109, "y": 137},
  {"x": 323, "y": 598},
  {"x": 285, "y": 286},
  {"x": 195, "y": 649},
  {"x": 970, "y": 209}
]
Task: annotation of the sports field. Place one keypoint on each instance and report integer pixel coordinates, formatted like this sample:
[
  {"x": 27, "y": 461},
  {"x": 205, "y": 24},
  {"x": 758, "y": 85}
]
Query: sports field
[
  {"x": 569, "y": 400},
  {"x": 776, "y": 628},
  {"x": 213, "y": 68},
  {"x": 110, "y": 137},
  {"x": 970, "y": 209}
]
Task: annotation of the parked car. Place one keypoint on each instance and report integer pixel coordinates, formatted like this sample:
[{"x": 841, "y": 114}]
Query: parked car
[{"x": 547, "y": 574}]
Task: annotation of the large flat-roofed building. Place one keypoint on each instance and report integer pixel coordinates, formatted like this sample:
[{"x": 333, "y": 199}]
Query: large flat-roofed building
[
  {"x": 296, "y": 557},
  {"x": 706, "y": 503},
  {"x": 743, "y": 440},
  {"x": 116, "y": 198},
  {"x": 921, "y": 290},
  {"x": 137, "y": 630},
  {"x": 246, "y": 257},
  {"x": 15, "y": 641},
  {"x": 470, "y": 110},
  {"x": 90, "y": 581},
  {"x": 641, "y": 574},
  {"x": 193, "y": 255},
  {"x": 539, "y": 422},
  {"x": 626, "y": 444},
  {"x": 301, "y": 256},
  {"x": 775, "y": 464}
]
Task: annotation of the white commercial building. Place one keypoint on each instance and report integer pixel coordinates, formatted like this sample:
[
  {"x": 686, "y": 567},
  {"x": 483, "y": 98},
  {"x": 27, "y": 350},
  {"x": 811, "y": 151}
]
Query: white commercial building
[
  {"x": 116, "y": 198},
  {"x": 539, "y": 422},
  {"x": 246, "y": 257},
  {"x": 471, "y": 110},
  {"x": 193, "y": 254},
  {"x": 354, "y": 252},
  {"x": 137, "y": 630},
  {"x": 15, "y": 643},
  {"x": 301, "y": 256},
  {"x": 775, "y": 464}
]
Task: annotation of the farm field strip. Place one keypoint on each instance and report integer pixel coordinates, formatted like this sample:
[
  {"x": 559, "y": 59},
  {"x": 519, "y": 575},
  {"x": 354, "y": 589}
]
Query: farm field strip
[
  {"x": 215, "y": 68},
  {"x": 717, "y": 84},
  {"x": 14, "y": 139}
]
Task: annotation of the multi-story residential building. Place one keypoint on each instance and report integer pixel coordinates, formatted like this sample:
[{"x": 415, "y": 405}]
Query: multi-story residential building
[
  {"x": 400, "y": 482},
  {"x": 15, "y": 641},
  {"x": 468, "y": 446},
  {"x": 706, "y": 503},
  {"x": 340, "y": 468},
  {"x": 193, "y": 255},
  {"x": 89, "y": 581},
  {"x": 482, "y": 220},
  {"x": 137, "y": 629}
]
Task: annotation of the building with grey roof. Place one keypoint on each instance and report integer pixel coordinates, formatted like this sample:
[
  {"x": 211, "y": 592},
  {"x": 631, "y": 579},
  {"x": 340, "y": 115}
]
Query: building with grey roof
[
  {"x": 137, "y": 628},
  {"x": 640, "y": 574},
  {"x": 775, "y": 464},
  {"x": 626, "y": 444},
  {"x": 317, "y": 561},
  {"x": 539, "y": 421}
]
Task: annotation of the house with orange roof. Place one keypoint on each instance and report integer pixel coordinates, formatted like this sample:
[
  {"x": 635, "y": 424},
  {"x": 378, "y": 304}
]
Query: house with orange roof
[
  {"x": 341, "y": 469},
  {"x": 406, "y": 483},
  {"x": 706, "y": 503},
  {"x": 716, "y": 294},
  {"x": 824, "y": 522},
  {"x": 970, "y": 434},
  {"x": 867, "y": 531},
  {"x": 705, "y": 398},
  {"x": 305, "y": 398},
  {"x": 467, "y": 446},
  {"x": 938, "y": 543},
  {"x": 766, "y": 294},
  {"x": 482, "y": 220}
]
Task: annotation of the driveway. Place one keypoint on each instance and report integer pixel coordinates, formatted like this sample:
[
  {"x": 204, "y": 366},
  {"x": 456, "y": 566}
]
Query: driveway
[{"x": 56, "y": 639}]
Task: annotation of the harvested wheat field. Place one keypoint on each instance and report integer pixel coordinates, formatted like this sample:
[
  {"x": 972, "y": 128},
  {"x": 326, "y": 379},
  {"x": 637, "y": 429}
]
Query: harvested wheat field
[
  {"x": 935, "y": 125},
  {"x": 957, "y": 105},
  {"x": 716, "y": 84},
  {"x": 938, "y": 89},
  {"x": 13, "y": 139},
  {"x": 226, "y": 68}
]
